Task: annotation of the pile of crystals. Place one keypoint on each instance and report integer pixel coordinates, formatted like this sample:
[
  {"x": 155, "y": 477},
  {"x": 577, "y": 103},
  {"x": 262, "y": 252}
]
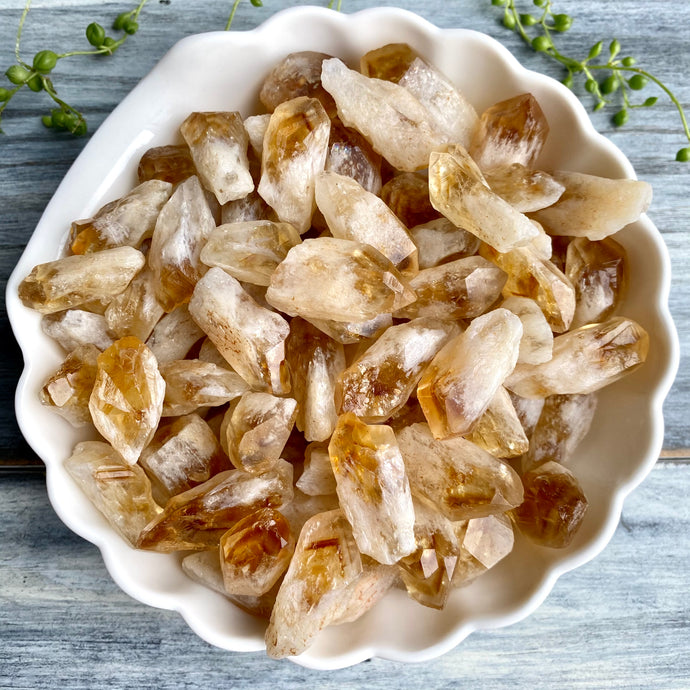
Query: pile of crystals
[{"x": 346, "y": 345}]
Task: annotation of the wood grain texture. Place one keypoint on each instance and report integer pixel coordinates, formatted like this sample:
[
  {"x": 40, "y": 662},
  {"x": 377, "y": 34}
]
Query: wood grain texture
[{"x": 620, "y": 621}]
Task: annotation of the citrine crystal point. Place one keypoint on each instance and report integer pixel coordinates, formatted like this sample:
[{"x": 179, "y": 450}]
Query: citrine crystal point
[
  {"x": 407, "y": 195},
  {"x": 317, "y": 478},
  {"x": 174, "y": 335},
  {"x": 439, "y": 241},
  {"x": 168, "y": 163},
  {"x": 536, "y": 345},
  {"x": 73, "y": 328},
  {"x": 127, "y": 397},
  {"x": 373, "y": 489},
  {"x": 489, "y": 539},
  {"x": 525, "y": 189},
  {"x": 350, "y": 154},
  {"x": 389, "y": 62},
  {"x": 461, "y": 380},
  {"x": 120, "y": 491},
  {"x": 218, "y": 145}
]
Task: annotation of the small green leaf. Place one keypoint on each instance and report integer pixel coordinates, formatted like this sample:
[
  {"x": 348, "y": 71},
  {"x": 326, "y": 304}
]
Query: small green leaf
[{"x": 650, "y": 101}]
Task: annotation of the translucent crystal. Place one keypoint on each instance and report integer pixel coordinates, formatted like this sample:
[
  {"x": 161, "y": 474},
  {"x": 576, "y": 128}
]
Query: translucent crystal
[
  {"x": 303, "y": 506},
  {"x": 250, "y": 250},
  {"x": 317, "y": 479},
  {"x": 352, "y": 213},
  {"x": 350, "y": 154},
  {"x": 256, "y": 126},
  {"x": 315, "y": 361},
  {"x": 255, "y": 552},
  {"x": 458, "y": 385},
  {"x": 174, "y": 335},
  {"x": 295, "y": 149},
  {"x": 407, "y": 195},
  {"x": 120, "y": 491},
  {"x": 75, "y": 327},
  {"x": 218, "y": 144},
  {"x": 250, "y": 207},
  {"x": 594, "y": 207},
  {"x": 451, "y": 114},
  {"x": 440, "y": 241},
  {"x": 499, "y": 430},
  {"x": 531, "y": 276},
  {"x": 68, "y": 390},
  {"x": 459, "y": 191},
  {"x": 355, "y": 331},
  {"x": 196, "y": 519},
  {"x": 512, "y": 131},
  {"x": 369, "y": 588},
  {"x": 389, "y": 62},
  {"x": 523, "y": 188},
  {"x": 460, "y": 289},
  {"x": 554, "y": 506},
  {"x": 182, "y": 229},
  {"x": 373, "y": 489},
  {"x": 462, "y": 480},
  {"x": 317, "y": 586},
  {"x": 584, "y": 360},
  {"x": 489, "y": 539},
  {"x": 182, "y": 454},
  {"x": 563, "y": 423},
  {"x": 208, "y": 352},
  {"x": 379, "y": 382},
  {"x": 78, "y": 280},
  {"x": 251, "y": 338},
  {"x": 392, "y": 120},
  {"x": 528, "y": 411},
  {"x": 341, "y": 280},
  {"x": 135, "y": 311},
  {"x": 598, "y": 272},
  {"x": 258, "y": 429},
  {"x": 168, "y": 163},
  {"x": 124, "y": 222},
  {"x": 298, "y": 74},
  {"x": 191, "y": 384},
  {"x": 127, "y": 397},
  {"x": 536, "y": 345}
]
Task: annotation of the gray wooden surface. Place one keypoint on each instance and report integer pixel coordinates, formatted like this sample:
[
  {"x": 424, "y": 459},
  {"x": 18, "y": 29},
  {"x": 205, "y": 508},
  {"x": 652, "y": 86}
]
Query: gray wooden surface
[{"x": 622, "y": 620}]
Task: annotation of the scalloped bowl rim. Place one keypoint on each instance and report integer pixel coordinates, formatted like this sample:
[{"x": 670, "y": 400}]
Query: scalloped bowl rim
[{"x": 103, "y": 171}]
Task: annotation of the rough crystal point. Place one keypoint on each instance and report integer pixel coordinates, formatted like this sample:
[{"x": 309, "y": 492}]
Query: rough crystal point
[
  {"x": 389, "y": 62},
  {"x": 528, "y": 411},
  {"x": 174, "y": 335},
  {"x": 512, "y": 131},
  {"x": 255, "y": 552},
  {"x": 317, "y": 479},
  {"x": 168, "y": 163},
  {"x": 460, "y": 289},
  {"x": 598, "y": 270},
  {"x": 350, "y": 154},
  {"x": 191, "y": 384},
  {"x": 353, "y": 213},
  {"x": 536, "y": 345},
  {"x": 489, "y": 539},
  {"x": 316, "y": 588},
  {"x": 295, "y": 150},
  {"x": 458, "y": 385},
  {"x": 122, "y": 492},
  {"x": 315, "y": 361},
  {"x": 459, "y": 191},
  {"x": 499, "y": 430},
  {"x": 260, "y": 425},
  {"x": 584, "y": 360},
  {"x": 126, "y": 221},
  {"x": 298, "y": 74},
  {"x": 379, "y": 382},
  {"x": 251, "y": 338},
  {"x": 182, "y": 228},
  {"x": 256, "y": 126},
  {"x": 75, "y": 327},
  {"x": 250, "y": 250},
  {"x": 251, "y": 207},
  {"x": 182, "y": 454},
  {"x": 78, "y": 280},
  {"x": 196, "y": 519},
  {"x": 563, "y": 423},
  {"x": 127, "y": 397},
  {"x": 373, "y": 489},
  {"x": 304, "y": 506},
  {"x": 339, "y": 280},
  {"x": 218, "y": 144},
  {"x": 594, "y": 207},
  {"x": 459, "y": 478},
  {"x": 530, "y": 275},
  {"x": 523, "y": 188},
  {"x": 352, "y": 332},
  {"x": 439, "y": 241},
  {"x": 68, "y": 390},
  {"x": 554, "y": 506},
  {"x": 407, "y": 195},
  {"x": 392, "y": 120}
]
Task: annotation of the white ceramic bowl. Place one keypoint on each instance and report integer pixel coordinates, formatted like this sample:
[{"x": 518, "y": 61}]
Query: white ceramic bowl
[{"x": 626, "y": 436}]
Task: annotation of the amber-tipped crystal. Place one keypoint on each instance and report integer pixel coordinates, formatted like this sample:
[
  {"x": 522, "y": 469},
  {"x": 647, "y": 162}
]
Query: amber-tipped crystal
[
  {"x": 407, "y": 195},
  {"x": 389, "y": 62},
  {"x": 523, "y": 188},
  {"x": 458, "y": 385},
  {"x": 168, "y": 163},
  {"x": 350, "y": 154},
  {"x": 127, "y": 397}
]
